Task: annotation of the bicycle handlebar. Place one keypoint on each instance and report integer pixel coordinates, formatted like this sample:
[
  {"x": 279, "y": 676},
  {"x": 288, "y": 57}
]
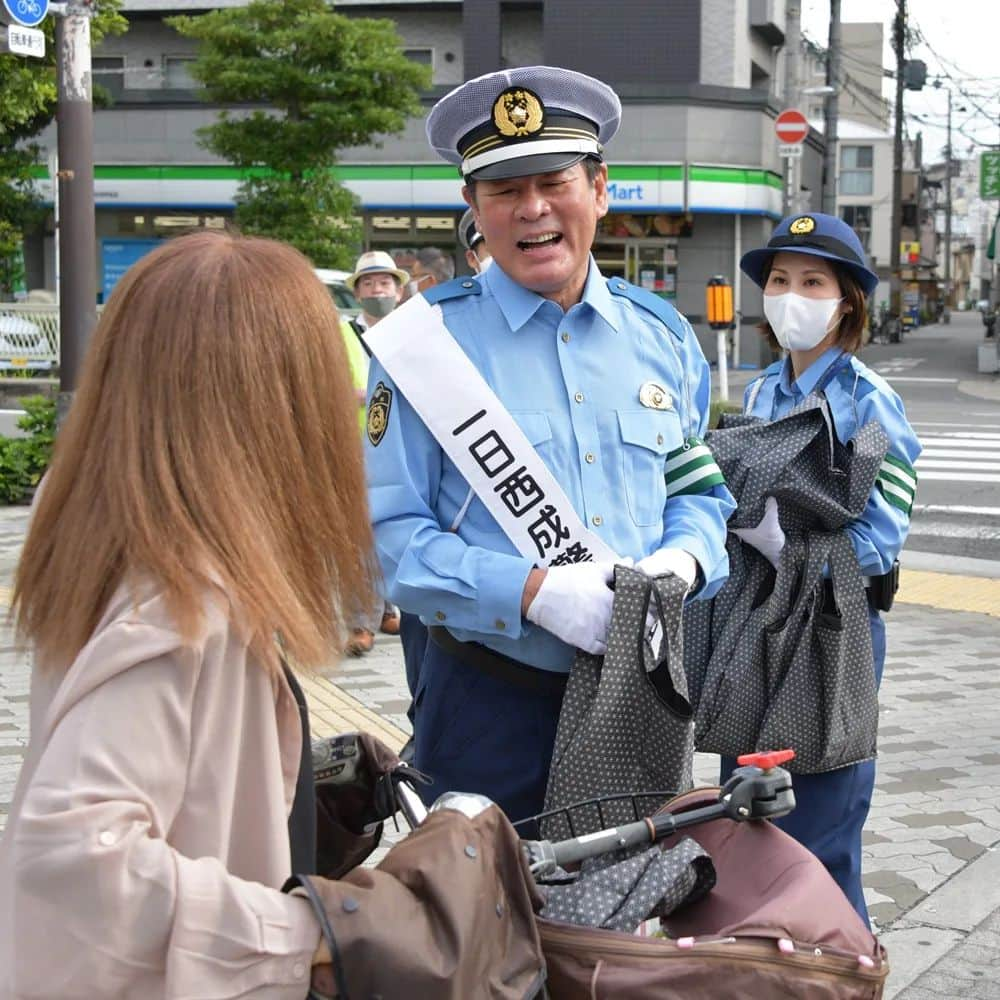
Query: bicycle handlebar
[{"x": 752, "y": 792}]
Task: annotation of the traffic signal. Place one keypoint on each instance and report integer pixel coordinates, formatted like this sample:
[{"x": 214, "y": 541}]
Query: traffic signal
[{"x": 719, "y": 303}]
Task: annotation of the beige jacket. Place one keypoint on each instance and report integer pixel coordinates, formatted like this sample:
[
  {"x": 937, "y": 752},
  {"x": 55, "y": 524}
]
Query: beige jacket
[{"x": 147, "y": 839}]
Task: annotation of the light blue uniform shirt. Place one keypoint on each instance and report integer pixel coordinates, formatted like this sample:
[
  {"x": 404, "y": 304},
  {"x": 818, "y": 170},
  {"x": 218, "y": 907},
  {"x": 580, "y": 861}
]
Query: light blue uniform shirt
[
  {"x": 571, "y": 381},
  {"x": 856, "y": 395}
]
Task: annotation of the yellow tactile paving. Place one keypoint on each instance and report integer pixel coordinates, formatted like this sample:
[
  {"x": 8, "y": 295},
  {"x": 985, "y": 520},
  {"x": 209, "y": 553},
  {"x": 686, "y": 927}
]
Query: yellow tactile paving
[
  {"x": 950, "y": 592},
  {"x": 332, "y": 711}
]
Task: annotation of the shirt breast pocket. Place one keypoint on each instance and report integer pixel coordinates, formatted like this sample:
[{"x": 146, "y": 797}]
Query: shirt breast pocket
[
  {"x": 647, "y": 437},
  {"x": 537, "y": 429}
]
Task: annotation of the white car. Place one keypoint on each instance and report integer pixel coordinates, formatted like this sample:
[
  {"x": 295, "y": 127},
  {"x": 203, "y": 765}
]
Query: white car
[
  {"x": 343, "y": 297},
  {"x": 23, "y": 344}
]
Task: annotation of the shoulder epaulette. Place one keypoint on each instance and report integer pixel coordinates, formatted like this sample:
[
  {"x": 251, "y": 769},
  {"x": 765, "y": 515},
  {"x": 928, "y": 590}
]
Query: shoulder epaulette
[
  {"x": 660, "y": 308},
  {"x": 859, "y": 380},
  {"x": 457, "y": 288}
]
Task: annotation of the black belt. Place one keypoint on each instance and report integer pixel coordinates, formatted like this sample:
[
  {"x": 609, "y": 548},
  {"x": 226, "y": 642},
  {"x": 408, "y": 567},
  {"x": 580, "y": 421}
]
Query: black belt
[{"x": 497, "y": 665}]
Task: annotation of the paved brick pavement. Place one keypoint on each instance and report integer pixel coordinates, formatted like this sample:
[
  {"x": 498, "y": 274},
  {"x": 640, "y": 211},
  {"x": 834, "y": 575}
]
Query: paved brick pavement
[{"x": 935, "y": 820}]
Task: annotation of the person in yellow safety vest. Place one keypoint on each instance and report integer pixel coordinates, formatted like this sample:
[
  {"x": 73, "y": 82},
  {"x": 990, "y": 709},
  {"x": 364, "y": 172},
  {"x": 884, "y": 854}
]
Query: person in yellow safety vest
[
  {"x": 358, "y": 360},
  {"x": 378, "y": 286}
]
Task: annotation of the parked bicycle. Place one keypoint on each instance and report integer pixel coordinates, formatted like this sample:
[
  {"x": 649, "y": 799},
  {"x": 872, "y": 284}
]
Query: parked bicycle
[{"x": 886, "y": 328}]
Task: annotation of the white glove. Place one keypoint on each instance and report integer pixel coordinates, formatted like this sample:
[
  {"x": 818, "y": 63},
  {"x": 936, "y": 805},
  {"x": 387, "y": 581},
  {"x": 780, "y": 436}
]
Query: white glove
[
  {"x": 767, "y": 538},
  {"x": 574, "y": 603},
  {"x": 675, "y": 561}
]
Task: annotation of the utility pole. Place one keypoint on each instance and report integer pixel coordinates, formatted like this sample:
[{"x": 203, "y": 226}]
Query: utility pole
[
  {"x": 831, "y": 110},
  {"x": 77, "y": 255},
  {"x": 946, "y": 313},
  {"x": 898, "y": 43},
  {"x": 793, "y": 48}
]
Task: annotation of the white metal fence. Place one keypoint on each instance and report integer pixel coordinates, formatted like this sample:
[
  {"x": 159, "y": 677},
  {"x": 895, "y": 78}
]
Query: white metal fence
[{"x": 29, "y": 336}]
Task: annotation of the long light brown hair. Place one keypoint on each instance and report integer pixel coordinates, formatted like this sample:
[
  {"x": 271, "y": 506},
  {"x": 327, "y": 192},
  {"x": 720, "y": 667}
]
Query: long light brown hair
[{"x": 214, "y": 434}]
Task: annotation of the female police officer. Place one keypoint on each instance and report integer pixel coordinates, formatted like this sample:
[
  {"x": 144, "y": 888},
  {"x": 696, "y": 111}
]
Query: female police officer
[{"x": 815, "y": 280}]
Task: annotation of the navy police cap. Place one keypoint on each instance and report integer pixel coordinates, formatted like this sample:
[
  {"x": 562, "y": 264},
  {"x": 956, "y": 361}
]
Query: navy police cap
[
  {"x": 468, "y": 234},
  {"x": 529, "y": 120},
  {"x": 817, "y": 234}
]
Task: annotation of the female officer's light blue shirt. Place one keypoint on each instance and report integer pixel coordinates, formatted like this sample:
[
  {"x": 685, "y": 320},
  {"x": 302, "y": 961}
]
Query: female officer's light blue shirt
[
  {"x": 571, "y": 381},
  {"x": 856, "y": 395}
]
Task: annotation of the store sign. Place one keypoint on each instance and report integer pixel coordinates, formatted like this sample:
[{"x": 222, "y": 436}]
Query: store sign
[
  {"x": 909, "y": 252},
  {"x": 620, "y": 193},
  {"x": 117, "y": 256},
  {"x": 989, "y": 174}
]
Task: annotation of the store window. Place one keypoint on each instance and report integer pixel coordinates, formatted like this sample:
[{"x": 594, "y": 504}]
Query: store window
[
  {"x": 855, "y": 170},
  {"x": 423, "y": 56},
  {"x": 642, "y": 248},
  {"x": 109, "y": 73},
  {"x": 177, "y": 73},
  {"x": 859, "y": 218}
]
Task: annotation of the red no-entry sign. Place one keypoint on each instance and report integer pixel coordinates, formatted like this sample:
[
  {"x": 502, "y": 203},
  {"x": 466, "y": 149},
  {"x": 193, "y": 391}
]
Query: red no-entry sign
[{"x": 791, "y": 126}]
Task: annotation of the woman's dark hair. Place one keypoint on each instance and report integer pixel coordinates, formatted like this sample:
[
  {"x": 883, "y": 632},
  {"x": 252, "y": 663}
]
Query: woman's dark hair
[{"x": 851, "y": 329}]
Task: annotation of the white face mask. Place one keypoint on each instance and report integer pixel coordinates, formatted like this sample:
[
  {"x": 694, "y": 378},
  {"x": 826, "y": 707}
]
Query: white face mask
[
  {"x": 484, "y": 263},
  {"x": 799, "y": 324}
]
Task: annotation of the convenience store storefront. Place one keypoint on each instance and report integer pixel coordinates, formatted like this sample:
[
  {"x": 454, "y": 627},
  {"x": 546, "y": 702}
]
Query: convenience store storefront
[{"x": 670, "y": 226}]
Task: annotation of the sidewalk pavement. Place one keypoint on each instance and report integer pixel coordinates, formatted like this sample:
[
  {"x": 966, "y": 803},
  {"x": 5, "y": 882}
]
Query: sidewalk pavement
[{"x": 931, "y": 864}]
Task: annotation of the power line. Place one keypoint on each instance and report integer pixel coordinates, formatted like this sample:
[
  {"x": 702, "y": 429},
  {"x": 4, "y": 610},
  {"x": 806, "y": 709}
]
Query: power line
[{"x": 947, "y": 65}]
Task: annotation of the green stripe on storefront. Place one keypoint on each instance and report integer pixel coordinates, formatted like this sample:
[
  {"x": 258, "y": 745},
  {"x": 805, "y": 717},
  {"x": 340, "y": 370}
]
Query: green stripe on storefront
[
  {"x": 650, "y": 172},
  {"x": 734, "y": 175}
]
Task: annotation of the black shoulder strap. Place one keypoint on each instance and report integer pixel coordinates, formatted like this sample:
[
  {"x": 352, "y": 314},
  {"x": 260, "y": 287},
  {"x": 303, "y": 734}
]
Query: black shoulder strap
[
  {"x": 302, "y": 820},
  {"x": 360, "y": 333}
]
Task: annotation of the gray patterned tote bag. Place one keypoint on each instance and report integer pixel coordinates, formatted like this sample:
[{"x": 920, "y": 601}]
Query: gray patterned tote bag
[
  {"x": 625, "y": 725},
  {"x": 823, "y": 700}
]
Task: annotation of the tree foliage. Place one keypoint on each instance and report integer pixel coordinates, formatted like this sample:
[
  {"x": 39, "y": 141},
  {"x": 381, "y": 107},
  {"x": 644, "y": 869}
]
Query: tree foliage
[
  {"x": 27, "y": 105},
  {"x": 322, "y": 82}
]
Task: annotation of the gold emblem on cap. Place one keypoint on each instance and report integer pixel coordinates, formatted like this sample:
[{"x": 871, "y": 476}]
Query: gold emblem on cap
[
  {"x": 518, "y": 112},
  {"x": 804, "y": 224},
  {"x": 654, "y": 396}
]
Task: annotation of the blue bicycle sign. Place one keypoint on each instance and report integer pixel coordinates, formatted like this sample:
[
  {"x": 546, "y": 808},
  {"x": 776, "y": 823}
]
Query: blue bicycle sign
[{"x": 30, "y": 13}]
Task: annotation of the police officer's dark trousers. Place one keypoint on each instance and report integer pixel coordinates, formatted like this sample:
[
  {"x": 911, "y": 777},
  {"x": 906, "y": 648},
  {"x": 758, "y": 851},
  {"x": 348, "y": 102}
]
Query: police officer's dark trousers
[
  {"x": 831, "y": 808},
  {"x": 481, "y": 733},
  {"x": 413, "y": 635}
]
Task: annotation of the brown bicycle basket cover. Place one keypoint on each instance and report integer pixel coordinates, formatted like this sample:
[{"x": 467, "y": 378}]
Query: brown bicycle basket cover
[{"x": 768, "y": 887}]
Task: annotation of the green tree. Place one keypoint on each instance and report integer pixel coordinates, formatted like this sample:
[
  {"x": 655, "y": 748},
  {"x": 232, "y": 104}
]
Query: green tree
[
  {"x": 27, "y": 105},
  {"x": 326, "y": 82}
]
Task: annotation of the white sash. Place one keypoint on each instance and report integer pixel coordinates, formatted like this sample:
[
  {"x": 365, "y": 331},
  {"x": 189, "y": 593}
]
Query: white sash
[{"x": 481, "y": 437}]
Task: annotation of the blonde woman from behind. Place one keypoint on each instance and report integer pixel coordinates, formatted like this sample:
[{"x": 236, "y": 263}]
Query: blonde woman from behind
[{"x": 206, "y": 498}]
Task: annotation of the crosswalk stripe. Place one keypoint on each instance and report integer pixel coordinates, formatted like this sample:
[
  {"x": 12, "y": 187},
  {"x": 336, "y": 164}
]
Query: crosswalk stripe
[
  {"x": 944, "y": 508},
  {"x": 948, "y": 529},
  {"x": 936, "y": 463},
  {"x": 951, "y": 446},
  {"x": 965, "y": 477},
  {"x": 975, "y": 456},
  {"x": 977, "y": 426},
  {"x": 973, "y": 438}
]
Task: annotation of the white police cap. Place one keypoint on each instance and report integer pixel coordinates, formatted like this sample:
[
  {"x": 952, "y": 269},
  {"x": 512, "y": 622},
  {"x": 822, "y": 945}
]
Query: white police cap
[
  {"x": 468, "y": 234},
  {"x": 529, "y": 120}
]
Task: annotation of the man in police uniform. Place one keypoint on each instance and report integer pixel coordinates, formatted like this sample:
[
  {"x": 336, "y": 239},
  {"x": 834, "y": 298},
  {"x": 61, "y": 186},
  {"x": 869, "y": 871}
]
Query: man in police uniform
[
  {"x": 611, "y": 391},
  {"x": 477, "y": 253}
]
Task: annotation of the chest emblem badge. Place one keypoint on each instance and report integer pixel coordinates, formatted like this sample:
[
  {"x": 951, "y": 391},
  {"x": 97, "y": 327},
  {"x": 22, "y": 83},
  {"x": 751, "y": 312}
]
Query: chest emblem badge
[
  {"x": 378, "y": 413},
  {"x": 653, "y": 395}
]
